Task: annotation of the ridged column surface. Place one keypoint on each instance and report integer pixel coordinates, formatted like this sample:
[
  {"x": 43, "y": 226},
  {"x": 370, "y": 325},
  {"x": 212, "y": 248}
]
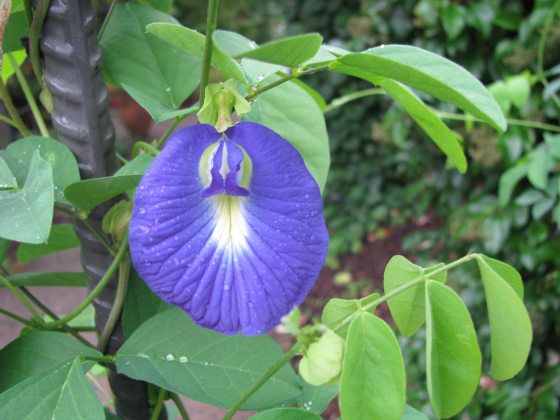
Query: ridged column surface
[{"x": 72, "y": 72}]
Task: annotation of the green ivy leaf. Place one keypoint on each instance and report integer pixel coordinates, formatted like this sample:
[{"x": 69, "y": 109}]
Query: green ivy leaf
[
  {"x": 192, "y": 42},
  {"x": 170, "y": 351},
  {"x": 65, "y": 170},
  {"x": 164, "y": 75},
  {"x": 32, "y": 354},
  {"x": 510, "y": 325},
  {"x": 26, "y": 214},
  {"x": 427, "y": 72},
  {"x": 293, "y": 114},
  {"x": 372, "y": 383},
  {"x": 90, "y": 193},
  {"x": 442, "y": 136},
  {"x": 285, "y": 413},
  {"x": 289, "y": 51},
  {"x": 336, "y": 310},
  {"x": 61, "y": 392},
  {"x": 48, "y": 279},
  {"x": 453, "y": 356},
  {"x": 140, "y": 304},
  {"x": 61, "y": 237}
]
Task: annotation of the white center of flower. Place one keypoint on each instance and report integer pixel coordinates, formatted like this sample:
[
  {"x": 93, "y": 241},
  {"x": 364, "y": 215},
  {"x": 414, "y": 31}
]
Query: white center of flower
[{"x": 231, "y": 229}]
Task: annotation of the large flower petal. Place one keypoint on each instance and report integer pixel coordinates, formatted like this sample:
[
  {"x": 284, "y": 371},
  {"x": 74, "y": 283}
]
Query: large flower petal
[{"x": 241, "y": 258}]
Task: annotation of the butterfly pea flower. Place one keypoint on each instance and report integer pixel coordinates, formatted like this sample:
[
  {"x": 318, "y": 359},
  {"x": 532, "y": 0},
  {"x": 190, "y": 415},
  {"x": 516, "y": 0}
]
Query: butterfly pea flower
[{"x": 229, "y": 227}]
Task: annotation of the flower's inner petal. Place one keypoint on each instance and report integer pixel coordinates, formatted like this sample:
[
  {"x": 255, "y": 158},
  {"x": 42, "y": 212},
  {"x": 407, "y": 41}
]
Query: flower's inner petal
[
  {"x": 236, "y": 163},
  {"x": 216, "y": 177},
  {"x": 230, "y": 226}
]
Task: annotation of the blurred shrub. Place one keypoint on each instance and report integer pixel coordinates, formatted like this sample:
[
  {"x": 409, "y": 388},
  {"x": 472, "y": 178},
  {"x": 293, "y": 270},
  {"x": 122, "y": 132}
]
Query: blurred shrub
[{"x": 386, "y": 173}]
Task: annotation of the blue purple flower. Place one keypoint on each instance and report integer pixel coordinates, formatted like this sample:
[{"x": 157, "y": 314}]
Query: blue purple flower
[{"x": 229, "y": 227}]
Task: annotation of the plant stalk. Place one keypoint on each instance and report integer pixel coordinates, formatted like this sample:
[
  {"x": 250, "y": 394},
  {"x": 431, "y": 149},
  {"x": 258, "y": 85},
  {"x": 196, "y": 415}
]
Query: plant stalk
[
  {"x": 17, "y": 293},
  {"x": 93, "y": 294},
  {"x": 211, "y": 22},
  {"x": 14, "y": 316},
  {"x": 179, "y": 404},
  {"x": 159, "y": 404}
]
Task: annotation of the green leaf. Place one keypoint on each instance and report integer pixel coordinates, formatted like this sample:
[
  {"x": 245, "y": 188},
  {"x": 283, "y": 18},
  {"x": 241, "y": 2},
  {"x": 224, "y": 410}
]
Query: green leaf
[
  {"x": 506, "y": 272},
  {"x": 325, "y": 54},
  {"x": 372, "y": 384},
  {"x": 7, "y": 179},
  {"x": 529, "y": 197},
  {"x": 169, "y": 350},
  {"x": 429, "y": 73},
  {"x": 16, "y": 29},
  {"x": 162, "y": 5},
  {"x": 293, "y": 114},
  {"x": 285, "y": 413},
  {"x": 93, "y": 192},
  {"x": 452, "y": 19},
  {"x": 322, "y": 360},
  {"x": 4, "y": 249},
  {"x": 61, "y": 237},
  {"x": 508, "y": 181},
  {"x": 442, "y": 136},
  {"x": 316, "y": 398},
  {"x": 7, "y": 68},
  {"x": 519, "y": 89},
  {"x": 26, "y": 214},
  {"x": 137, "y": 166},
  {"x": 336, "y": 310},
  {"x": 407, "y": 308},
  {"x": 232, "y": 43},
  {"x": 411, "y": 413},
  {"x": 36, "y": 353},
  {"x": 542, "y": 207},
  {"x": 193, "y": 43},
  {"x": 257, "y": 72},
  {"x": 140, "y": 304},
  {"x": 453, "y": 357},
  {"x": 289, "y": 51},
  {"x": 61, "y": 392},
  {"x": 510, "y": 325},
  {"x": 49, "y": 279},
  {"x": 65, "y": 170},
  {"x": 162, "y": 73},
  {"x": 540, "y": 164}
]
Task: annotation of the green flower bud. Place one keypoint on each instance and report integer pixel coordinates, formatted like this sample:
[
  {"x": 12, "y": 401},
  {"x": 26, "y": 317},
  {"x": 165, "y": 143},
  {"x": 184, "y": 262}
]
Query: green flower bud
[
  {"x": 220, "y": 101},
  {"x": 322, "y": 361}
]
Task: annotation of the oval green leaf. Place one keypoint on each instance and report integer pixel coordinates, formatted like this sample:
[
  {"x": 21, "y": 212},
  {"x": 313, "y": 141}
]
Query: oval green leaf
[
  {"x": 26, "y": 214},
  {"x": 442, "y": 136},
  {"x": 93, "y": 192},
  {"x": 163, "y": 74},
  {"x": 66, "y": 279},
  {"x": 65, "y": 170},
  {"x": 171, "y": 351},
  {"x": 322, "y": 360},
  {"x": 510, "y": 326},
  {"x": 289, "y": 51},
  {"x": 337, "y": 310},
  {"x": 61, "y": 237},
  {"x": 192, "y": 42},
  {"x": 292, "y": 113},
  {"x": 372, "y": 383},
  {"x": 452, "y": 352},
  {"x": 428, "y": 73}
]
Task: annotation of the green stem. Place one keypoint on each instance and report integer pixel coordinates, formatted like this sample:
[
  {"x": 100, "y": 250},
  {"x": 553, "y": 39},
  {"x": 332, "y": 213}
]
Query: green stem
[
  {"x": 352, "y": 97},
  {"x": 159, "y": 404},
  {"x": 146, "y": 146},
  {"x": 124, "y": 272},
  {"x": 10, "y": 107},
  {"x": 9, "y": 121},
  {"x": 99, "y": 237},
  {"x": 179, "y": 404},
  {"x": 211, "y": 22},
  {"x": 542, "y": 46},
  {"x": 14, "y": 316},
  {"x": 95, "y": 292},
  {"x": 28, "y": 10},
  {"x": 454, "y": 264},
  {"x": 170, "y": 129},
  {"x": 17, "y": 293},
  {"x": 296, "y": 348},
  {"x": 71, "y": 330},
  {"x": 34, "y": 36},
  {"x": 255, "y": 92},
  {"x": 106, "y": 20},
  {"x": 29, "y": 97}
]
